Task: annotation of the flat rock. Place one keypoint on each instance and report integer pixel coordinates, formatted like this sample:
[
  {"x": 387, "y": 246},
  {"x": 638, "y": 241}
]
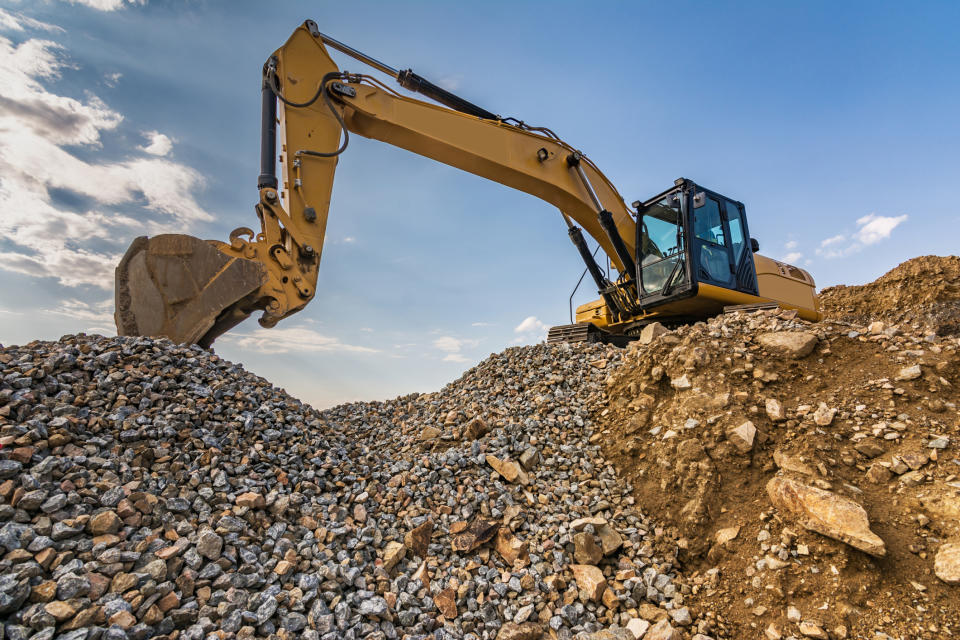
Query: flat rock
[
  {"x": 446, "y": 602},
  {"x": 617, "y": 633},
  {"x": 104, "y": 523},
  {"x": 775, "y": 410},
  {"x": 417, "y": 540},
  {"x": 251, "y": 500},
  {"x": 511, "y": 548},
  {"x": 813, "y": 629},
  {"x": 476, "y": 428},
  {"x": 946, "y": 565},
  {"x": 638, "y": 627},
  {"x": 509, "y": 470},
  {"x": 791, "y": 463},
  {"x": 741, "y": 437},
  {"x": 610, "y": 540},
  {"x": 727, "y": 534},
  {"x": 525, "y": 631},
  {"x": 429, "y": 433},
  {"x": 651, "y": 332},
  {"x": 478, "y": 532},
  {"x": 663, "y": 630},
  {"x": 870, "y": 447},
  {"x": 790, "y": 344},
  {"x": 585, "y": 549},
  {"x": 580, "y": 523},
  {"x": 60, "y": 610},
  {"x": 826, "y": 513},
  {"x": 590, "y": 580},
  {"x": 393, "y": 553},
  {"x": 909, "y": 373}
]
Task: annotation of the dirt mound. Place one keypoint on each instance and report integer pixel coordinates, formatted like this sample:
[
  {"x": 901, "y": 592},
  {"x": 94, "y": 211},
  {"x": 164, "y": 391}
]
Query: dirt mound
[
  {"x": 807, "y": 471},
  {"x": 923, "y": 292}
]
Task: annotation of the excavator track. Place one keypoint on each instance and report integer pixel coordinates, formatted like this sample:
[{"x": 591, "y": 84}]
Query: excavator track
[
  {"x": 585, "y": 332},
  {"x": 573, "y": 333}
]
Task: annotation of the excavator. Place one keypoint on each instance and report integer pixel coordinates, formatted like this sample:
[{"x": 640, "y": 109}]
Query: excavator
[{"x": 683, "y": 255}]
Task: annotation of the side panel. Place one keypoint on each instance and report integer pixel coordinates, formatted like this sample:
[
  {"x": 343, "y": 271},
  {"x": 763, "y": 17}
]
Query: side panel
[{"x": 789, "y": 285}]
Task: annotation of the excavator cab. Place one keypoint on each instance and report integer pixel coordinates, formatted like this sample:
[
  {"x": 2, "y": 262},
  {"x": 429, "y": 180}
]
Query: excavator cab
[
  {"x": 694, "y": 258},
  {"x": 691, "y": 235}
]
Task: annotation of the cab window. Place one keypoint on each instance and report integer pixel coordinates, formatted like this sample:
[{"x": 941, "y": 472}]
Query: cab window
[
  {"x": 663, "y": 257},
  {"x": 711, "y": 252},
  {"x": 735, "y": 222},
  {"x": 707, "y": 224}
]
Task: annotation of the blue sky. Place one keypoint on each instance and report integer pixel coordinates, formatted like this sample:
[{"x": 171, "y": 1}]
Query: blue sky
[{"x": 836, "y": 125}]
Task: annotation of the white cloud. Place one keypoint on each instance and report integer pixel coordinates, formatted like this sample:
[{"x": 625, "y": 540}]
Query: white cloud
[
  {"x": 291, "y": 339},
  {"x": 112, "y": 79},
  {"x": 47, "y": 238},
  {"x": 98, "y": 315},
  {"x": 107, "y": 5},
  {"x": 453, "y": 348},
  {"x": 790, "y": 245},
  {"x": 530, "y": 324},
  {"x": 481, "y": 324},
  {"x": 529, "y": 331},
  {"x": 793, "y": 257},
  {"x": 874, "y": 228},
  {"x": 448, "y": 344},
  {"x": 871, "y": 230},
  {"x": 160, "y": 144},
  {"x": 19, "y": 22}
]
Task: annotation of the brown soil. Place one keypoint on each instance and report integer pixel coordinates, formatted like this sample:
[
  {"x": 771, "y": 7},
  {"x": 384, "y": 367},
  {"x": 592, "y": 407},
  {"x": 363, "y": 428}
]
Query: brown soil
[
  {"x": 923, "y": 292},
  {"x": 672, "y": 444}
]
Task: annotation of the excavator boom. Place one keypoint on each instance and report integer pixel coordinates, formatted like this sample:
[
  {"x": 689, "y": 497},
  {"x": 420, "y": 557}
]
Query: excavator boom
[{"x": 192, "y": 290}]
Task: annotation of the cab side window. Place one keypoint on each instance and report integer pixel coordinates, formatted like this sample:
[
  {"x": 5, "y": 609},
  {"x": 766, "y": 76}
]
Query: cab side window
[
  {"x": 706, "y": 222},
  {"x": 712, "y": 254},
  {"x": 735, "y": 221}
]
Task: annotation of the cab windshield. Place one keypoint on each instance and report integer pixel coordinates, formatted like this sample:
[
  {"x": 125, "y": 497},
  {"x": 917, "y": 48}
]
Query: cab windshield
[{"x": 662, "y": 246}]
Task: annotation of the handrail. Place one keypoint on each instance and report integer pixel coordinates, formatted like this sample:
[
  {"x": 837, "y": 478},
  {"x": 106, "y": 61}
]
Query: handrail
[{"x": 580, "y": 281}]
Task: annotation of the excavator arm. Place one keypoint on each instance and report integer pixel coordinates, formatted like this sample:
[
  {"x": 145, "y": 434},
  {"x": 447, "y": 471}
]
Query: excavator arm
[{"x": 193, "y": 291}]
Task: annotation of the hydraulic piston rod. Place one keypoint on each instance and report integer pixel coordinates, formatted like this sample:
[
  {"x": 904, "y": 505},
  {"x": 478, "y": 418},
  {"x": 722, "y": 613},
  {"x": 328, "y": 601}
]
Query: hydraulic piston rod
[
  {"x": 605, "y": 218},
  {"x": 407, "y": 78}
]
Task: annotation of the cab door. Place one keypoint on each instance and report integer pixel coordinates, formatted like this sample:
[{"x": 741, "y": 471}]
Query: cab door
[
  {"x": 721, "y": 246},
  {"x": 745, "y": 271},
  {"x": 711, "y": 247}
]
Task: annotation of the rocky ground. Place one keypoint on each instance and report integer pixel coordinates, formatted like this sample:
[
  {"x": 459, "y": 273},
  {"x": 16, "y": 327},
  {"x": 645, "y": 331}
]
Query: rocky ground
[
  {"x": 751, "y": 477},
  {"x": 922, "y": 293},
  {"x": 808, "y": 472}
]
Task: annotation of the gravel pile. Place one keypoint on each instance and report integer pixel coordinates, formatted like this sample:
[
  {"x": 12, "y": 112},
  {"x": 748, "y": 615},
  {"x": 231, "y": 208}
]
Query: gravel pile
[{"x": 155, "y": 490}]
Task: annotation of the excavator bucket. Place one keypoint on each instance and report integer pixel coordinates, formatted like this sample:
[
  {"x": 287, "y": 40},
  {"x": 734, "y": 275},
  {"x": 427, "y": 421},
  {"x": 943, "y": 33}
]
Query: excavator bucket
[{"x": 183, "y": 288}]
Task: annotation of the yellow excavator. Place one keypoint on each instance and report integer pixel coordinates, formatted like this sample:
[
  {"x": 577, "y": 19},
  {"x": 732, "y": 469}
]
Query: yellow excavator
[{"x": 683, "y": 255}]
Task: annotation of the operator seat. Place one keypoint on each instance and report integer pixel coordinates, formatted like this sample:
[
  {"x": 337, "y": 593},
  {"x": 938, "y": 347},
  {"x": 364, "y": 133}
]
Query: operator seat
[{"x": 713, "y": 260}]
